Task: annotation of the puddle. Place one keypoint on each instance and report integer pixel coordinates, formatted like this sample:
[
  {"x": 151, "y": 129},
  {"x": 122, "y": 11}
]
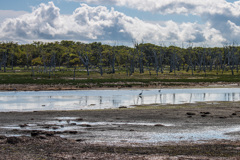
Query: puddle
[
  {"x": 105, "y": 99},
  {"x": 129, "y": 132}
]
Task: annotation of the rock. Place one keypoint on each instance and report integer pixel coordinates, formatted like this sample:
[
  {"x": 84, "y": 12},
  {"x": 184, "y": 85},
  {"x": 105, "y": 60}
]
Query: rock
[
  {"x": 190, "y": 113},
  {"x": 73, "y": 124},
  {"x": 72, "y": 132},
  {"x": 159, "y": 125},
  {"x": 13, "y": 140},
  {"x": 122, "y": 107},
  {"x": 55, "y": 128},
  {"x": 85, "y": 125},
  {"x": 42, "y": 137},
  {"x": 46, "y": 126},
  {"x": 79, "y": 119},
  {"x": 3, "y": 137},
  {"x": 79, "y": 140},
  {"x": 234, "y": 114},
  {"x": 204, "y": 115},
  {"x": 50, "y": 134},
  {"x": 35, "y": 133},
  {"x": 205, "y": 112},
  {"x": 222, "y": 117},
  {"x": 23, "y": 125}
]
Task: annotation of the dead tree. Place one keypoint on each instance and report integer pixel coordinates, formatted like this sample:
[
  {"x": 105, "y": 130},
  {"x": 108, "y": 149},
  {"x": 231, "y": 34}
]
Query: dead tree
[
  {"x": 140, "y": 58},
  {"x": 85, "y": 60},
  {"x": 5, "y": 56},
  {"x": 156, "y": 62},
  {"x": 132, "y": 62},
  {"x": 113, "y": 60},
  {"x": 161, "y": 59},
  {"x": 100, "y": 60}
]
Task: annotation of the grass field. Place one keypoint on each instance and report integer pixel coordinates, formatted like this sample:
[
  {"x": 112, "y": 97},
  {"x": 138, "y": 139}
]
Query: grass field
[{"x": 66, "y": 76}]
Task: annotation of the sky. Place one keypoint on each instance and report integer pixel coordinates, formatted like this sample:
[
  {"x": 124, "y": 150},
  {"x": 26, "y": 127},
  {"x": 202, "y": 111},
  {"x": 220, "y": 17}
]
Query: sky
[{"x": 169, "y": 22}]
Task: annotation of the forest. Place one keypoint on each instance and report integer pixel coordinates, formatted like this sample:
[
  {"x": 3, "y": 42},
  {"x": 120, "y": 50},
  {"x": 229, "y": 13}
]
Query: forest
[{"x": 100, "y": 58}]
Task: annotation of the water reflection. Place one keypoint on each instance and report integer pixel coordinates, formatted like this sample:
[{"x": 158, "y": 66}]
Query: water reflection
[{"x": 101, "y": 99}]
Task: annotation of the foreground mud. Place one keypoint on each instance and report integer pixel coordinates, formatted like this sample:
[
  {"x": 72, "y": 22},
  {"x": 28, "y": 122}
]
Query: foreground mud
[
  {"x": 45, "y": 147},
  {"x": 19, "y": 138}
]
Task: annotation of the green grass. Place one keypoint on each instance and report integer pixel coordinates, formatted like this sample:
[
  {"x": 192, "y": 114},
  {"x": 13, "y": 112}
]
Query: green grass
[{"x": 119, "y": 79}]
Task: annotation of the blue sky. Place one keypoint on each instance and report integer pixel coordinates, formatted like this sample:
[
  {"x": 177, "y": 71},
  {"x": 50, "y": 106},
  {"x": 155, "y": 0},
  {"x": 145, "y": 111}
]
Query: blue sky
[{"x": 211, "y": 22}]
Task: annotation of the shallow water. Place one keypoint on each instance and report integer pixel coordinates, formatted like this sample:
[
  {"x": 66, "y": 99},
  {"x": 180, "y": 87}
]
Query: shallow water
[
  {"x": 102, "y": 99},
  {"x": 110, "y": 133}
]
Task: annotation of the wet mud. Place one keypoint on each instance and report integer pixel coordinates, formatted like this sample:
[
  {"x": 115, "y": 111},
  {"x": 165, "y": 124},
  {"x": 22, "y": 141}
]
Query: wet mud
[{"x": 195, "y": 131}]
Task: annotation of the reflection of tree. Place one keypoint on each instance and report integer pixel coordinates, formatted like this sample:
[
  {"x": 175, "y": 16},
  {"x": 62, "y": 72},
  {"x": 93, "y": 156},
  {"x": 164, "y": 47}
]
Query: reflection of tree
[
  {"x": 190, "y": 100},
  {"x": 100, "y": 100},
  {"x": 160, "y": 98},
  {"x": 83, "y": 101},
  {"x": 140, "y": 97},
  {"x": 174, "y": 98}
]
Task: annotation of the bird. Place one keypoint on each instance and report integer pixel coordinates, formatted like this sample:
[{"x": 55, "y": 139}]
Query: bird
[
  {"x": 140, "y": 94},
  {"x": 159, "y": 90}
]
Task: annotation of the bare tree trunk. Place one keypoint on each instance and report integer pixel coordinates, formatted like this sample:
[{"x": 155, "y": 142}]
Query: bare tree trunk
[
  {"x": 113, "y": 61},
  {"x": 132, "y": 65},
  {"x": 32, "y": 72},
  {"x": 12, "y": 60},
  {"x": 74, "y": 73},
  {"x": 156, "y": 62},
  {"x": 85, "y": 61},
  {"x": 100, "y": 61}
]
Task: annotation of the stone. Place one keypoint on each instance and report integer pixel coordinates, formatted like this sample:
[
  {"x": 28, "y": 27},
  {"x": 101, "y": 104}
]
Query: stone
[
  {"x": 85, "y": 125},
  {"x": 72, "y": 132},
  {"x": 23, "y": 125},
  {"x": 159, "y": 125},
  {"x": 13, "y": 140},
  {"x": 122, "y": 107},
  {"x": 79, "y": 119},
  {"x": 191, "y": 113},
  {"x": 35, "y": 133}
]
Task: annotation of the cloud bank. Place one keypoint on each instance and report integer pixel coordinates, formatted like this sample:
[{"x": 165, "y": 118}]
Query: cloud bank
[
  {"x": 89, "y": 24},
  {"x": 195, "y": 7}
]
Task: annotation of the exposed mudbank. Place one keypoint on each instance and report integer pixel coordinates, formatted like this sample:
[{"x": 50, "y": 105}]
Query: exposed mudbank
[{"x": 79, "y": 134}]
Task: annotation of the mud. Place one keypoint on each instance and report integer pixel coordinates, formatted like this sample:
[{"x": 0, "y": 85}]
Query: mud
[{"x": 73, "y": 134}]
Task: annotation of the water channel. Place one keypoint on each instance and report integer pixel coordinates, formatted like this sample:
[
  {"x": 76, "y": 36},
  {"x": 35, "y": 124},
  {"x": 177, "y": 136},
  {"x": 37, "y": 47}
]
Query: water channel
[{"x": 103, "y": 99}]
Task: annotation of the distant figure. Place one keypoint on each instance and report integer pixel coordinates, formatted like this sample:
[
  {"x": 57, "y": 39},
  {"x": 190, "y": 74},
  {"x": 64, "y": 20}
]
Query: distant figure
[
  {"x": 140, "y": 94},
  {"x": 159, "y": 90}
]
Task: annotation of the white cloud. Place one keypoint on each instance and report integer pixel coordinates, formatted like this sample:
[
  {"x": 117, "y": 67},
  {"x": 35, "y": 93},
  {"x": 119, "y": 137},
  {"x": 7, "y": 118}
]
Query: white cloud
[
  {"x": 101, "y": 24},
  {"x": 195, "y": 7},
  {"x": 216, "y": 13},
  {"x": 4, "y": 14}
]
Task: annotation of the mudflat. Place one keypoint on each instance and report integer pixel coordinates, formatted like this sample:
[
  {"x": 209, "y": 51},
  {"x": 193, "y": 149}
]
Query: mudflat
[{"x": 124, "y": 133}]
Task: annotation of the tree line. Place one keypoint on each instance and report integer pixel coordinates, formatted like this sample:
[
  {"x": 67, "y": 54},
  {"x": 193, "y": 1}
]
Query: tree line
[{"x": 143, "y": 57}]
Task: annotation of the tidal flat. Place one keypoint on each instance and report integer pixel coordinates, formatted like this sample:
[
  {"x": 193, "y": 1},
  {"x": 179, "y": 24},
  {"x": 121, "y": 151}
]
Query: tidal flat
[{"x": 208, "y": 130}]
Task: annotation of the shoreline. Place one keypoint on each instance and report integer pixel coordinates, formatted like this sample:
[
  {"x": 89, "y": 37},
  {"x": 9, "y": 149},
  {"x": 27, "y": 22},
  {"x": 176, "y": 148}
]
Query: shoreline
[
  {"x": 52, "y": 124},
  {"x": 173, "y": 85}
]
